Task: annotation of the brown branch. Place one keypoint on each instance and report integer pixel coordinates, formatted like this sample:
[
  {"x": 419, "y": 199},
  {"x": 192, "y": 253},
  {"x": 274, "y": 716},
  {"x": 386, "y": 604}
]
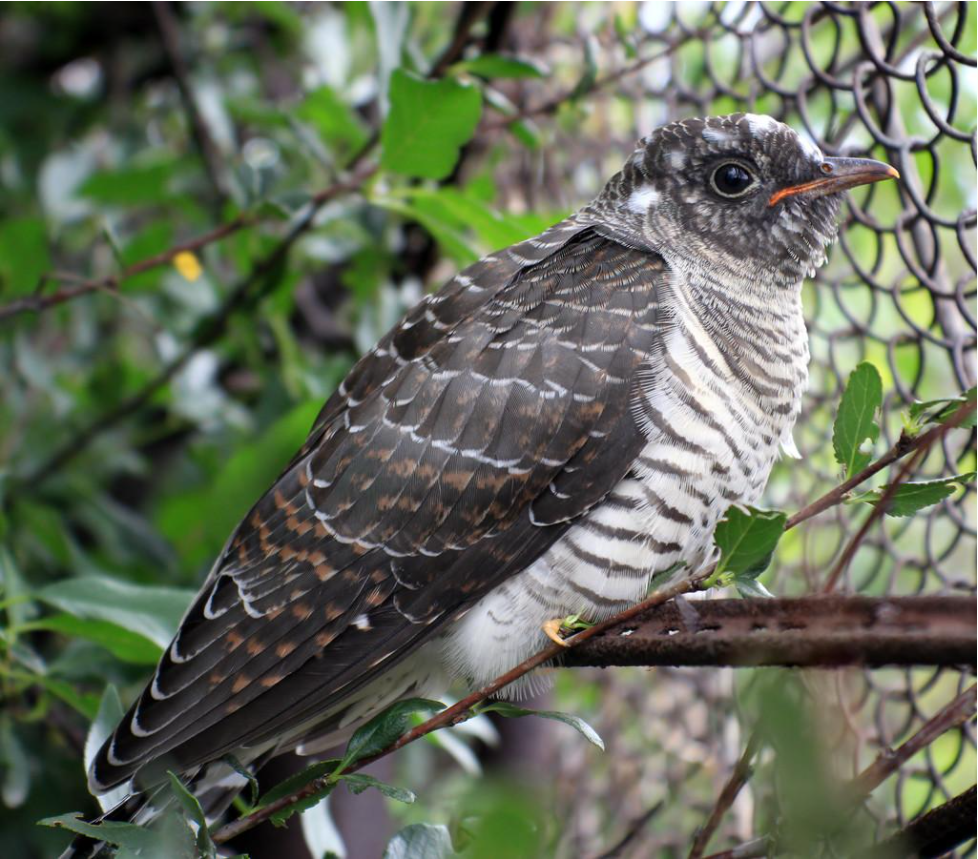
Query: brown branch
[
  {"x": 460, "y": 711},
  {"x": 920, "y": 446},
  {"x": 888, "y": 762},
  {"x": 463, "y": 709},
  {"x": 552, "y": 105},
  {"x": 738, "y": 778},
  {"x": 633, "y": 831},
  {"x": 820, "y": 631},
  {"x": 936, "y": 833},
  {"x": 170, "y": 37},
  {"x": 249, "y": 289},
  {"x": 37, "y": 302}
]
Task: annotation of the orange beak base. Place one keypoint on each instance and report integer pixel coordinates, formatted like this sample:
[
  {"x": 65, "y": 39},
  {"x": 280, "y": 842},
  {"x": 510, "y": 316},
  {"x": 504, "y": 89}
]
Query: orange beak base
[{"x": 840, "y": 175}]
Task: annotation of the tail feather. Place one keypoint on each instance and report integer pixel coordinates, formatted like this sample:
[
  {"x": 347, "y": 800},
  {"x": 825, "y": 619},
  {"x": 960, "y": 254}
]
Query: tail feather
[{"x": 215, "y": 787}]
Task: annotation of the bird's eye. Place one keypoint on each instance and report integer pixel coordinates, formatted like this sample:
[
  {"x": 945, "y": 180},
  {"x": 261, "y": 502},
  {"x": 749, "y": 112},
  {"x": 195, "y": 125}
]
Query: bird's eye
[{"x": 732, "y": 180}]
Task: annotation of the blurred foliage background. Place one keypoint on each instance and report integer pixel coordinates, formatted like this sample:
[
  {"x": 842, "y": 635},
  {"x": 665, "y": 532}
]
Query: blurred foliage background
[{"x": 209, "y": 210}]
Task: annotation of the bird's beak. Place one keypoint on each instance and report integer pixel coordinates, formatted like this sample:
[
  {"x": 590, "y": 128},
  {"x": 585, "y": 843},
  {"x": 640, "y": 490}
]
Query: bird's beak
[{"x": 840, "y": 174}]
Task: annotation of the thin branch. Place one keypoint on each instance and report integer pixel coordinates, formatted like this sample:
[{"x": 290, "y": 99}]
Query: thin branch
[
  {"x": 249, "y": 289},
  {"x": 888, "y": 762},
  {"x": 738, "y": 778},
  {"x": 38, "y": 302},
  {"x": 170, "y": 37},
  {"x": 759, "y": 847},
  {"x": 463, "y": 709},
  {"x": 552, "y": 105},
  {"x": 460, "y": 711},
  {"x": 921, "y": 445},
  {"x": 633, "y": 831}
]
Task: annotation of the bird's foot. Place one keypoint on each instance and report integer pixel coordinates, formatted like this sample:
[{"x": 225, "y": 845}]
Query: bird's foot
[{"x": 552, "y": 630}]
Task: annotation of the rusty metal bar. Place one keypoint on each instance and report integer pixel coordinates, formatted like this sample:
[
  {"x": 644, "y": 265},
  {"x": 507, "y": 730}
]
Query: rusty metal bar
[{"x": 823, "y": 632}]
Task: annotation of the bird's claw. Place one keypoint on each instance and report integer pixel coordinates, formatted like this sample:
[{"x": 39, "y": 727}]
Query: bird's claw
[{"x": 552, "y": 630}]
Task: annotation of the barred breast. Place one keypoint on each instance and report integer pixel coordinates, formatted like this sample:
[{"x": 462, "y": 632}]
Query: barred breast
[{"x": 720, "y": 398}]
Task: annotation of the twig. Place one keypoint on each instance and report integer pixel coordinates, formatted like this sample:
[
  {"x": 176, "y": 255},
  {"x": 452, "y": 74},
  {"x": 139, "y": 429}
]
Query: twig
[
  {"x": 748, "y": 850},
  {"x": 461, "y": 710},
  {"x": 921, "y": 445},
  {"x": 248, "y": 288},
  {"x": 468, "y": 17},
  {"x": 636, "y": 827},
  {"x": 37, "y": 302},
  {"x": 888, "y": 762},
  {"x": 738, "y": 778},
  {"x": 170, "y": 37},
  {"x": 551, "y": 105}
]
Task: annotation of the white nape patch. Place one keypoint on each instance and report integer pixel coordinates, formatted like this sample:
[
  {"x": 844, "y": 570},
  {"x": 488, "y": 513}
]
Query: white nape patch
[
  {"x": 677, "y": 159},
  {"x": 717, "y": 135},
  {"x": 761, "y": 123},
  {"x": 642, "y": 200}
]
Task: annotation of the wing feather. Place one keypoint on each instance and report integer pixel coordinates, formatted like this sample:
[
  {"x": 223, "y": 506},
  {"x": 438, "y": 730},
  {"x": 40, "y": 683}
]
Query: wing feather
[{"x": 450, "y": 459}]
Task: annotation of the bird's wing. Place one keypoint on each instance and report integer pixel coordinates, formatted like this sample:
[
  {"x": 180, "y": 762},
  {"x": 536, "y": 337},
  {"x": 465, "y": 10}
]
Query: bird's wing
[{"x": 451, "y": 457}]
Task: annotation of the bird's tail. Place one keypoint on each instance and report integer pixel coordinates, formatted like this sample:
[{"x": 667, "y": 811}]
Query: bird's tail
[{"x": 215, "y": 787}]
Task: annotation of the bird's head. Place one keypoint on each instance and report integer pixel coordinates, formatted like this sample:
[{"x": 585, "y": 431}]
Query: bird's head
[{"x": 743, "y": 197}]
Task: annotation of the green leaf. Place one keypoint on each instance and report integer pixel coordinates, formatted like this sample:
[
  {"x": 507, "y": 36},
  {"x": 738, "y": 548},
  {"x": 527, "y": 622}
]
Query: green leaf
[
  {"x": 130, "y": 185},
  {"x": 856, "y": 427},
  {"x": 747, "y": 539},
  {"x": 939, "y": 411},
  {"x": 386, "y": 727},
  {"x": 428, "y": 123},
  {"x": 420, "y": 841},
  {"x": 16, "y": 767},
  {"x": 191, "y": 807},
  {"x": 337, "y": 124},
  {"x": 298, "y": 781},
  {"x": 120, "y": 642},
  {"x": 23, "y": 255},
  {"x": 497, "y": 66},
  {"x": 751, "y": 589},
  {"x": 359, "y": 782},
  {"x": 511, "y": 711},
  {"x": 151, "y": 611},
  {"x": 126, "y": 835},
  {"x": 911, "y": 497}
]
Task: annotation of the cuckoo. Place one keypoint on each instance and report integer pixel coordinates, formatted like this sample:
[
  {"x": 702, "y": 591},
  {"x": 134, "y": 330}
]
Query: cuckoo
[{"x": 536, "y": 439}]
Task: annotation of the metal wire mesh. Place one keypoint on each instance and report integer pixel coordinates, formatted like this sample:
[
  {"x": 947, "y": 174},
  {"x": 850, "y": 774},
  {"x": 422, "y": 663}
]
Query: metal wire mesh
[{"x": 890, "y": 80}]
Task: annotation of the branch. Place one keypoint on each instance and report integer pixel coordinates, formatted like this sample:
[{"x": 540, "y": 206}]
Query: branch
[
  {"x": 921, "y": 445},
  {"x": 936, "y": 833},
  {"x": 888, "y": 762},
  {"x": 552, "y": 105},
  {"x": 464, "y": 709},
  {"x": 905, "y": 444},
  {"x": 170, "y": 37},
  {"x": 738, "y": 778},
  {"x": 37, "y": 302},
  {"x": 249, "y": 289},
  {"x": 819, "y": 631},
  {"x": 458, "y": 712}
]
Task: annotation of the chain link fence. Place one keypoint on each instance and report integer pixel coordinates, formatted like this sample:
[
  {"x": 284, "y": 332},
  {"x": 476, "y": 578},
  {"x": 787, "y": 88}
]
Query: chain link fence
[{"x": 895, "y": 81}]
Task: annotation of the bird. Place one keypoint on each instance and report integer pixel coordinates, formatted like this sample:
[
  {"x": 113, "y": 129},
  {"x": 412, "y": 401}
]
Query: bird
[{"x": 559, "y": 422}]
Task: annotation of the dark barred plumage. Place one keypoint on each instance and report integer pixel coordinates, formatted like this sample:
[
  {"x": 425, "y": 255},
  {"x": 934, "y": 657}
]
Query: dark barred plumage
[{"x": 563, "y": 419}]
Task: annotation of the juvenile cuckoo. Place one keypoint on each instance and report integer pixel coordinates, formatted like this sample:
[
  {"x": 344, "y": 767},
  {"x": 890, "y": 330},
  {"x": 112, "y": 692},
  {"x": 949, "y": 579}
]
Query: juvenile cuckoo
[{"x": 560, "y": 421}]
